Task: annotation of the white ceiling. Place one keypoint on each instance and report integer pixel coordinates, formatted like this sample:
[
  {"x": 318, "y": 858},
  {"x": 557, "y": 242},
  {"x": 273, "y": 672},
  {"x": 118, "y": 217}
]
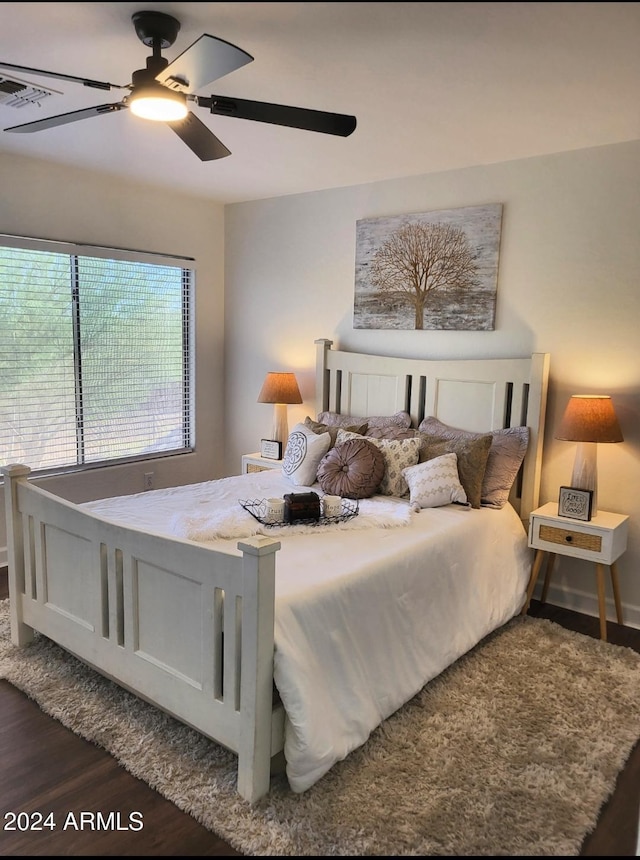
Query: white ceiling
[{"x": 434, "y": 86}]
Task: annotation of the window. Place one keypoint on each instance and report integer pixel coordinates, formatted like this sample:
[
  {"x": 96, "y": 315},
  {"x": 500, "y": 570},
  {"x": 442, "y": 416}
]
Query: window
[{"x": 95, "y": 355}]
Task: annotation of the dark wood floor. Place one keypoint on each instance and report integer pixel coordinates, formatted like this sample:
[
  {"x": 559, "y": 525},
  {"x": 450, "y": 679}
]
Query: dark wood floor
[{"x": 44, "y": 766}]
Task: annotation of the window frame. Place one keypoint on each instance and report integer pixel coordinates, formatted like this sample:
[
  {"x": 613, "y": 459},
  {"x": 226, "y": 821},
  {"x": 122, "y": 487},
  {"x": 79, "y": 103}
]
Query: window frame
[{"x": 188, "y": 281}]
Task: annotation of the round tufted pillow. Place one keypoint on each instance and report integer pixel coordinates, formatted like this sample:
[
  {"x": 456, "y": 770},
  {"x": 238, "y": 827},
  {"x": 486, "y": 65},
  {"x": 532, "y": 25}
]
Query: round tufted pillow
[{"x": 352, "y": 469}]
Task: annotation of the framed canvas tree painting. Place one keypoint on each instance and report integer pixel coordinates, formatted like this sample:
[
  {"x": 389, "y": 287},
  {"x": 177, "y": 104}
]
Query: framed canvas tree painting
[{"x": 435, "y": 270}]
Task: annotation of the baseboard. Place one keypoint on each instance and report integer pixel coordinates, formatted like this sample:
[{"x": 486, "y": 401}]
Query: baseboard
[{"x": 587, "y": 603}]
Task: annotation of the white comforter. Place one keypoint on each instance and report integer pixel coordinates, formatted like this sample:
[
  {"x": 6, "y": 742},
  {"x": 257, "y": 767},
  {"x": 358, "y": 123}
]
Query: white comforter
[{"x": 364, "y": 616}]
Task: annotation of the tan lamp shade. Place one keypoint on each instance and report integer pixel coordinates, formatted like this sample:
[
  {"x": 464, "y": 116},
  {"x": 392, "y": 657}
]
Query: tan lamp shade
[
  {"x": 280, "y": 389},
  {"x": 590, "y": 418},
  {"x": 587, "y": 420}
]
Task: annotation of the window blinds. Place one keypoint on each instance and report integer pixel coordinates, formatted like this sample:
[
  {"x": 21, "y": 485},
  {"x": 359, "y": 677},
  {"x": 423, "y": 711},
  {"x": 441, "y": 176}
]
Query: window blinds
[{"x": 95, "y": 355}]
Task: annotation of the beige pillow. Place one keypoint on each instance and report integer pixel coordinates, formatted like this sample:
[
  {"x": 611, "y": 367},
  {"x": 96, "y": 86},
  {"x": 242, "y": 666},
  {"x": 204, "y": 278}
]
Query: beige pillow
[
  {"x": 508, "y": 450},
  {"x": 318, "y": 427},
  {"x": 399, "y": 454},
  {"x": 472, "y": 459}
]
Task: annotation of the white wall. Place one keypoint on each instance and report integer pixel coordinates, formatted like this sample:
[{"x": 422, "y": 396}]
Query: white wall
[
  {"x": 569, "y": 284},
  {"x": 52, "y": 202}
]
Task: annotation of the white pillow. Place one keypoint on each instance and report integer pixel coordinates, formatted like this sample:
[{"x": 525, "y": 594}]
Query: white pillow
[
  {"x": 435, "y": 482},
  {"x": 302, "y": 455},
  {"x": 398, "y": 455}
]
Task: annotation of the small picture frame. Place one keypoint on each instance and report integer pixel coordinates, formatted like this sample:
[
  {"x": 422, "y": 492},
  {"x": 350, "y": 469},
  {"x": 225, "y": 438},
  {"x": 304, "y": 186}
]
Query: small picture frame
[
  {"x": 271, "y": 449},
  {"x": 575, "y": 503}
]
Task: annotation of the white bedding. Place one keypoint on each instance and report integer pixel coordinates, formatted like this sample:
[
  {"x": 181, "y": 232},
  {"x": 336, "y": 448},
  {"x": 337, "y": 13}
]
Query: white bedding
[{"x": 364, "y": 617}]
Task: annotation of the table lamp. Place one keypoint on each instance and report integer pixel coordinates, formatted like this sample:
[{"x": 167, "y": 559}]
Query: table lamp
[
  {"x": 587, "y": 420},
  {"x": 280, "y": 389}
]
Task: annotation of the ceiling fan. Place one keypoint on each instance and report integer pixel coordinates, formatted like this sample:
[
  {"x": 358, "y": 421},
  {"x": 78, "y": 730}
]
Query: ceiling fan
[{"x": 163, "y": 91}]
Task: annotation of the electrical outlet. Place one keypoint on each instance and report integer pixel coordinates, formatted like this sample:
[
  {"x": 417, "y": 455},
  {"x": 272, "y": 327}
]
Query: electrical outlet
[{"x": 148, "y": 480}]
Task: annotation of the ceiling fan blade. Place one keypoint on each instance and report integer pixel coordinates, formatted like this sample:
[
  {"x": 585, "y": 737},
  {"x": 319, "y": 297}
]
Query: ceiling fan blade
[
  {"x": 199, "y": 138},
  {"x": 86, "y": 82},
  {"x": 206, "y": 60},
  {"x": 294, "y": 117},
  {"x": 64, "y": 118}
]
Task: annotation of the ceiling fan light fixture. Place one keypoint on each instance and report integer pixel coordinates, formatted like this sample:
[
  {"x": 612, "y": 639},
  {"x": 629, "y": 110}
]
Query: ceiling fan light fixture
[{"x": 158, "y": 103}]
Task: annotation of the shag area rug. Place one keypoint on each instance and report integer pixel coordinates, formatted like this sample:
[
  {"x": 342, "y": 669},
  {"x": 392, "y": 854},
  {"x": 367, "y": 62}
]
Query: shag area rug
[{"x": 511, "y": 751}]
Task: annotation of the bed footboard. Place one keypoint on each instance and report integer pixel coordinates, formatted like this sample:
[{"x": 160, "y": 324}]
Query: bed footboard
[{"x": 183, "y": 626}]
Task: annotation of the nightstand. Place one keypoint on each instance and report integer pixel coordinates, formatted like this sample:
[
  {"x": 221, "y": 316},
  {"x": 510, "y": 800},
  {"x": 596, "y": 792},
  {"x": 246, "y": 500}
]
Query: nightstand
[
  {"x": 602, "y": 540},
  {"x": 257, "y": 463}
]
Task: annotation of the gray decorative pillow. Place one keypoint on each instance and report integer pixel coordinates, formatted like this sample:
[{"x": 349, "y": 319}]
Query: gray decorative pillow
[
  {"x": 399, "y": 454},
  {"x": 352, "y": 469},
  {"x": 472, "y": 459},
  {"x": 508, "y": 449},
  {"x": 337, "y": 419},
  {"x": 317, "y": 427},
  {"x": 398, "y": 419},
  {"x": 391, "y": 431},
  {"x": 302, "y": 455}
]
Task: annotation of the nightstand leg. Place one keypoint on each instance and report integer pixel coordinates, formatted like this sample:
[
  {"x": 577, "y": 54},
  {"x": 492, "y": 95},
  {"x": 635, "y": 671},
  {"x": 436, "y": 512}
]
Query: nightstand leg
[
  {"x": 547, "y": 576},
  {"x": 535, "y": 570},
  {"x": 616, "y": 591},
  {"x": 601, "y": 601}
]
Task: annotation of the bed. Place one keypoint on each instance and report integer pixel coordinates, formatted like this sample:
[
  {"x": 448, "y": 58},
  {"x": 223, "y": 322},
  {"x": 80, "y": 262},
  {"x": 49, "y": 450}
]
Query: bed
[{"x": 293, "y": 642}]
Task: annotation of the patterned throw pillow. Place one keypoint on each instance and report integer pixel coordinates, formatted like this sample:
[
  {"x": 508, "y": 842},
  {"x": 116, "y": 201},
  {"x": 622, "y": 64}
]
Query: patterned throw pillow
[
  {"x": 399, "y": 454},
  {"x": 435, "y": 482},
  {"x": 302, "y": 455},
  {"x": 508, "y": 449},
  {"x": 353, "y": 469}
]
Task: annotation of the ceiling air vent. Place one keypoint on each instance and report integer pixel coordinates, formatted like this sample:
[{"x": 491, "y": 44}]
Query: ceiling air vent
[{"x": 16, "y": 93}]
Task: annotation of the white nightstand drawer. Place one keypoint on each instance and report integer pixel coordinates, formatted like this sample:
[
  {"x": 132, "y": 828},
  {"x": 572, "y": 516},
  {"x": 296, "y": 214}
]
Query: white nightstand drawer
[{"x": 590, "y": 542}]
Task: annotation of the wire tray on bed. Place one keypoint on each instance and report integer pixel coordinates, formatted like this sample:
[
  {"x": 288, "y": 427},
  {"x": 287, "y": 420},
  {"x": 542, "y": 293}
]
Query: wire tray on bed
[{"x": 258, "y": 509}]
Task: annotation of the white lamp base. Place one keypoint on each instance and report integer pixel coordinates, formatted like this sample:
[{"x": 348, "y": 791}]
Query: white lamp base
[
  {"x": 585, "y": 471},
  {"x": 280, "y": 424}
]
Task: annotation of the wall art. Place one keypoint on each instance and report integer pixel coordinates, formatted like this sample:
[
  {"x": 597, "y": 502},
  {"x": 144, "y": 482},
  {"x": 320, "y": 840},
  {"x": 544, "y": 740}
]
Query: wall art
[{"x": 435, "y": 270}]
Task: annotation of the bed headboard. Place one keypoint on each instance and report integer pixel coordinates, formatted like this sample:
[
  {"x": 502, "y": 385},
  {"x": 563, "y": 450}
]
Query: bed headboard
[{"x": 472, "y": 394}]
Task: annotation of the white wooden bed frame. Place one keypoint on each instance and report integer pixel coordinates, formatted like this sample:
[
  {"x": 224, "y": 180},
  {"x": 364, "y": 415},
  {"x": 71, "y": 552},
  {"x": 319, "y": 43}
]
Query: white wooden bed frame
[{"x": 148, "y": 611}]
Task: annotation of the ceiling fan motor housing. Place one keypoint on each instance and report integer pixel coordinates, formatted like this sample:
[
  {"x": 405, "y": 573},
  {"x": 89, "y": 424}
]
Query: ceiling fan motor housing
[
  {"x": 146, "y": 77},
  {"x": 155, "y": 29}
]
